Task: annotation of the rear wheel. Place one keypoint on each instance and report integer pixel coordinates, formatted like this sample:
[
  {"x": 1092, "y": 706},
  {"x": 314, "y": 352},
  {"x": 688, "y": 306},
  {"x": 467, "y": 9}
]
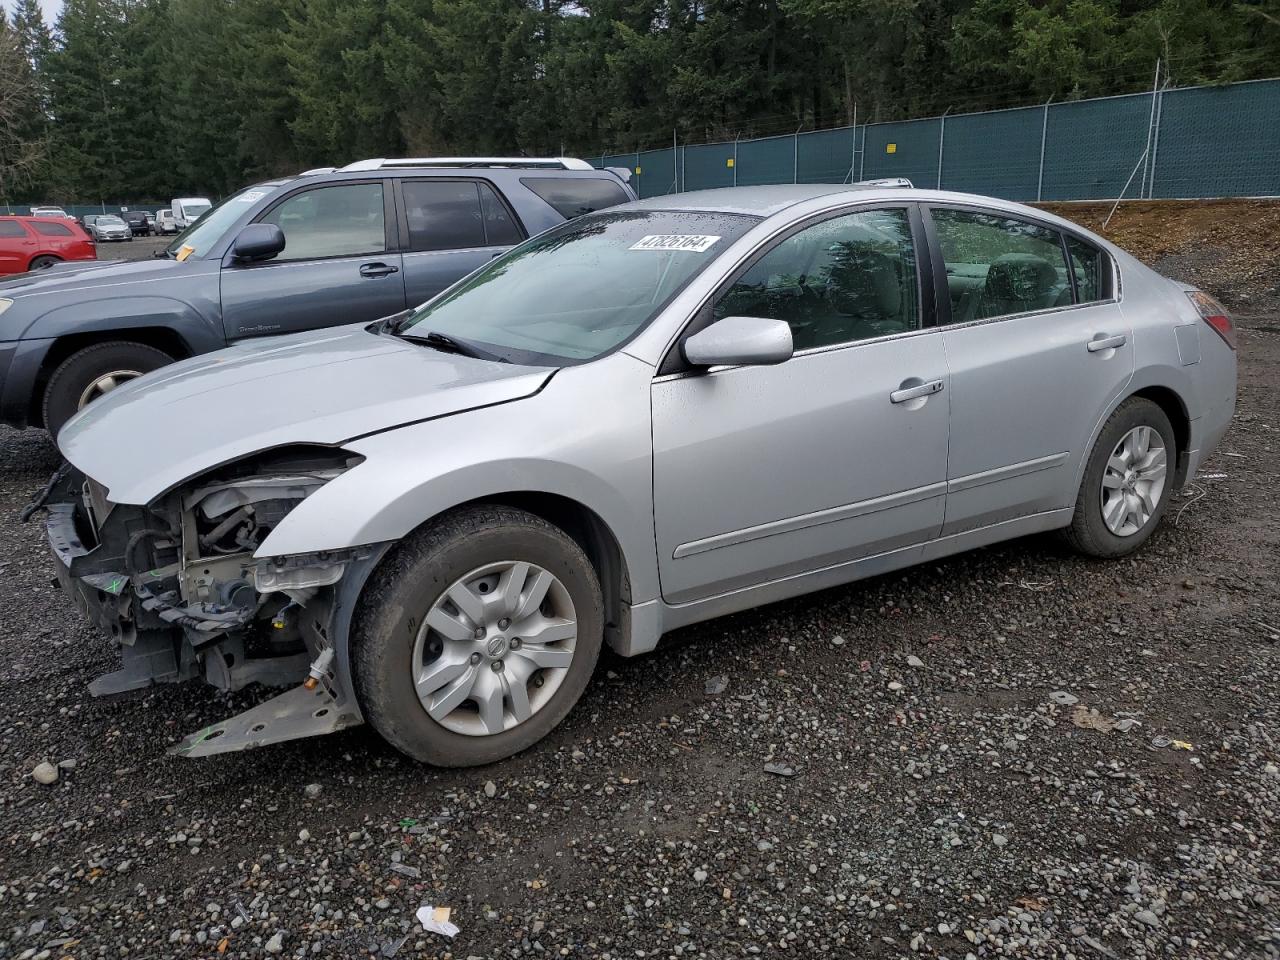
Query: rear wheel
[
  {"x": 93, "y": 372},
  {"x": 477, "y": 636},
  {"x": 1127, "y": 482},
  {"x": 43, "y": 262}
]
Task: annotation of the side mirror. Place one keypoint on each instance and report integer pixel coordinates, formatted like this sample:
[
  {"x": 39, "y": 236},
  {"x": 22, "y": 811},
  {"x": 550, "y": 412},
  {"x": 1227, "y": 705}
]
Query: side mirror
[
  {"x": 745, "y": 341},
  {"x": 258, "y": 241}
]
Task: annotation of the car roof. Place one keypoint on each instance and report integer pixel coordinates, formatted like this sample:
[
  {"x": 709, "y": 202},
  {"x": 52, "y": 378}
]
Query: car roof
[{"x": 762, "y": 201}]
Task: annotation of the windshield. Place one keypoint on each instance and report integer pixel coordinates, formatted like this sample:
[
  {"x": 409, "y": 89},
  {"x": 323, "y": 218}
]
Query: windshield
[
  {"x": 206, "y": 231},
  {"x": 110, "y": 221},
  {"x": 578, "y": 291}
]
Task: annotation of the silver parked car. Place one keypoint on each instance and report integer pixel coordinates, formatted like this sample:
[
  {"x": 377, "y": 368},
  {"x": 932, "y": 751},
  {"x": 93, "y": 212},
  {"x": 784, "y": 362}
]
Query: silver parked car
[
  {"x": 646, "y": 417},
  {"x": 109, "y": 227}
]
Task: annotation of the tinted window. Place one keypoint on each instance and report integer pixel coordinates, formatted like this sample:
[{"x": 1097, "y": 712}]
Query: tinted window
[
  {"x": 573, "y": 198},
  {"x": 998, "y": 266},
  {"x": 499, "y": 227},
  {"x": 846, "y": 279},
  {"x": 342, "y": 221},
  {"x": 11, "y": 228},
  {"x": 443, "y": 214},
  {"x": 580, "y": 289},
  {"x": 52, "y": 229},
  {"x": 1089, "y": 265}
]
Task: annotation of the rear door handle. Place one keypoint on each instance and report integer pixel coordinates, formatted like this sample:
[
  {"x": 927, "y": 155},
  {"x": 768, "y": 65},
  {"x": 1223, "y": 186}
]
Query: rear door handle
[
  {"x": 914, "y": 393},
  {"x": 1106, "y": 343},
  {"x": 378, "y": 270}
]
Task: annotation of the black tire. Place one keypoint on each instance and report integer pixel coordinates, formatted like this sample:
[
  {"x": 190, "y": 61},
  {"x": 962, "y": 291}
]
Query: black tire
[
  {"x": 402, "y": 592},
  {"x": 1088, "y": 532},
  {"x": 43, "y": 262},
  {"x": 74, "y": 375}
]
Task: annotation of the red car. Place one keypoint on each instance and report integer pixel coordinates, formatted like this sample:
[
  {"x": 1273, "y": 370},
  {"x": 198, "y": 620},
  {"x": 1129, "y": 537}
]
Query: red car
[{"x": 33, "y": 243}]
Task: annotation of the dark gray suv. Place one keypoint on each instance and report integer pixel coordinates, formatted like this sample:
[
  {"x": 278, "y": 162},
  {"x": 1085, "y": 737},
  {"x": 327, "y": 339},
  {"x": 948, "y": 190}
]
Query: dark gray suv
[{"x": 330, "y": 246}]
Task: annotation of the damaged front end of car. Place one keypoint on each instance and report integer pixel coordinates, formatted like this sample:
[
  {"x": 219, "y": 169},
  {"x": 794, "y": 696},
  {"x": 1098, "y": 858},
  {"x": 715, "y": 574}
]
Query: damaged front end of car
[{"x": 179, "y": 587}]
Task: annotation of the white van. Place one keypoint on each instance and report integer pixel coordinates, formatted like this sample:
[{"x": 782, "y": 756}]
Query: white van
[{"x": 187, "y": 210}]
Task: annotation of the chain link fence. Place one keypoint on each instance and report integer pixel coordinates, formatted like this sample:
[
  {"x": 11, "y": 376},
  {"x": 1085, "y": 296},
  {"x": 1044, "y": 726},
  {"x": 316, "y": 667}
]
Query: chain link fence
[
  {"x": 79, "y": 210},
  {"x": 1184, "y": 143}
]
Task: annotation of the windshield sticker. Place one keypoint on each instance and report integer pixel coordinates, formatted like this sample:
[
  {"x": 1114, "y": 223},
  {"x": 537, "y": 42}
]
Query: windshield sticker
[
  {"x": 690, "y": 243},
  {"x": 251, "y": 196},
  {"x": 184, "y": 251}
]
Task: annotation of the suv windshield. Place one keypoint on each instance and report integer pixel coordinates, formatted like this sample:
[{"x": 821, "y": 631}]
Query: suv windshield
[
  {"x": 578, "y": 291},
  {"x": 206, "y": 231}
]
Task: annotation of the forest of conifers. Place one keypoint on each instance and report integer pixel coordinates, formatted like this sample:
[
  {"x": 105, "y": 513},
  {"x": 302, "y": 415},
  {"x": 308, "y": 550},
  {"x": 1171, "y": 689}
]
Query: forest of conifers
[{"x": 130, "y": 99}]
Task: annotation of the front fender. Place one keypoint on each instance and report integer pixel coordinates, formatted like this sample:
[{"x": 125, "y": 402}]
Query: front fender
[
  {"x": 585, "y": 437},
  {"x": 196, "y": 322}
]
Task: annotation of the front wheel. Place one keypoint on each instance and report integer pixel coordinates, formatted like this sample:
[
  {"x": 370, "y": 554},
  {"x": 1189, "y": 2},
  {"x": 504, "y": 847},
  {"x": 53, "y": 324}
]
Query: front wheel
[
  {"x": 92, "y": 372},
  {"x": 1127, "y": 481},
  {"x": 43, "y": 262},
  {"x": 477, "y": 636}
]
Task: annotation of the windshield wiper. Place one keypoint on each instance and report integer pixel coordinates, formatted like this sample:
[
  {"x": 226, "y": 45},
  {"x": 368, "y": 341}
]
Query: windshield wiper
[{"x": 442, "y": 341}]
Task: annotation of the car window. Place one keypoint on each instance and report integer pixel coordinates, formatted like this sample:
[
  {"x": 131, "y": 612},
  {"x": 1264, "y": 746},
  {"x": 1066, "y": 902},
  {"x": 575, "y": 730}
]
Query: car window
[
  {"x": 576, "y": 197},
  {"x": 842, "y": 280},
  {"x": 500, "y": 229},
  {"x": 581, "y": 289},
  {"x": 443, "y": 214},
  {"x": 11, "y": 228},
  {"x": 997, "y": 266},
  {"x": 339, "y": 221},
  {"x": 1089, "y": 265},
  {"x": 53, "y": 229}
]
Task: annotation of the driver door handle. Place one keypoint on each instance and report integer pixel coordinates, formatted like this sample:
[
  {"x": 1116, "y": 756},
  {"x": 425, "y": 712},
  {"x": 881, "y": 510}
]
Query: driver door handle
[
  {"x": 1105, "y": 343},
  {"x": 377, "y": 270},
  {"x": 914, "y": 393}
]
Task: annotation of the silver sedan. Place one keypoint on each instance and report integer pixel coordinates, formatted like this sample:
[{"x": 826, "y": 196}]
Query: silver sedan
[{"x": 649, "y": 416}]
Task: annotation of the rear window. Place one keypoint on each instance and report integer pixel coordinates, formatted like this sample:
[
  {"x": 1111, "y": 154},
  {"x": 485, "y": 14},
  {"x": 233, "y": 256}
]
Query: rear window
[
  {"x": 574, "y": 197},
  {"x": 52, "y": 229},
  {"x": 11, "y": 228}
]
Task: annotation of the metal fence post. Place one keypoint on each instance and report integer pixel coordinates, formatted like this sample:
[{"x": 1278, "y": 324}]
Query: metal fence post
[
  {"x": 1146, "y": 153},
  {"x": 942, "y": 138},
  {"x": 1044, "y": 131},
  {"x": 795, "y": 156},
  {"x": 735, "y": 157},
  {"x": 853, "y": 148},
  {"x": 1155, "y": 141},
  {"x": 862, "y": 157}
]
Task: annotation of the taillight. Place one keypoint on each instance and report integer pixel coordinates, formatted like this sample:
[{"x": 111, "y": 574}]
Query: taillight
[{"x": 1215, "y": 315}]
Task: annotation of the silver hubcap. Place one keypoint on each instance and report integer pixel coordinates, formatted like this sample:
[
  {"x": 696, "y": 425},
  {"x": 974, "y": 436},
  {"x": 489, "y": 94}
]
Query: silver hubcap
[
  {"x": 1133, "y": 481},
  {"x": 105, "y": 384},
  {"x": 494, "y": 648}
]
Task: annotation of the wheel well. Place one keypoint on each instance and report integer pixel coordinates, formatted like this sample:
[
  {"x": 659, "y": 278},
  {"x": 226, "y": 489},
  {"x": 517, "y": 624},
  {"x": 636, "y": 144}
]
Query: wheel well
[
  {"x": 591, "y": 533},
  {"x": 161, "y": 338},
  {"x": 1173, "y": 408}
]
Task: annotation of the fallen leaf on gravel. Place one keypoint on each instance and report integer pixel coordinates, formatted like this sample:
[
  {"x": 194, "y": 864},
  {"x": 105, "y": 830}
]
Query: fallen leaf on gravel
[
  {"x": 779, "y": 769},
  {"x": 1034, "y": 904},
  {"x": 223, "y": 944},
  {"x": 1086, "y": 718}
]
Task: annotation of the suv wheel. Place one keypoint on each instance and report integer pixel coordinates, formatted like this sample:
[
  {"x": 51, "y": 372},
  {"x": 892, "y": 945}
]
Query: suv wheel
[
  {"x": 1127, "y": 483},
  {"x": 43, "y": 262},
  {"x": 89, "y": 373},
  {"x": 477, "y": 636}
]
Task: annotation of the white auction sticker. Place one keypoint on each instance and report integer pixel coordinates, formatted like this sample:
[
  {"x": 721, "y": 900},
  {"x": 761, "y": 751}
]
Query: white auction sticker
[
  {"x": 691, "y": 243},
  {"x": 251, "y": 196}
]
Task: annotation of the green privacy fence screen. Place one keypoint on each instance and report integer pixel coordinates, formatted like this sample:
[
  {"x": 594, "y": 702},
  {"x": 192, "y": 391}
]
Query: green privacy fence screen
[{"x": 1219, "y": 141}]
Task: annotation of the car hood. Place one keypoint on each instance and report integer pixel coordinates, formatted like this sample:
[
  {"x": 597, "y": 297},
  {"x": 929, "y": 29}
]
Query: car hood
[
  {"x": 322, "y": 387},
  {"x": 94, "y": 273}
]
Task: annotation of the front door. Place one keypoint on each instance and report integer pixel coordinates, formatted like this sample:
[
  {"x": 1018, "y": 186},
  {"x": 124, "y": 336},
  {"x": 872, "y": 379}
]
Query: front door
[
  {"x": 340, "y": 265},
  {"x": 449, "y": 227},
  {"x": 761, "y": 473},
  {"x": 16, "y": 246},
  {"x": 1037, "y": 352}
]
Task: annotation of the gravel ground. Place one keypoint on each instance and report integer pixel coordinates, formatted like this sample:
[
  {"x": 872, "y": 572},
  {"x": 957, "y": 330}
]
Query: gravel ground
[{"x": 1016, "y": 752}]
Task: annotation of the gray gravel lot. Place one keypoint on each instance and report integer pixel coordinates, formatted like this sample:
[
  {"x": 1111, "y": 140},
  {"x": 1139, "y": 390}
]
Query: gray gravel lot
[{"x": 937, "y": 793}]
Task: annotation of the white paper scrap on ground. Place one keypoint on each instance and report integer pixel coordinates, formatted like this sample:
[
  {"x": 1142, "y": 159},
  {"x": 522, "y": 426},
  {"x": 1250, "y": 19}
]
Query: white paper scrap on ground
[{"x": 436, "y": 920}]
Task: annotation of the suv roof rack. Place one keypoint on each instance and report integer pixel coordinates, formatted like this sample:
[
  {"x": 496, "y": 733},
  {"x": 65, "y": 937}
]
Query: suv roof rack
[{"x": 552, "y": 163}]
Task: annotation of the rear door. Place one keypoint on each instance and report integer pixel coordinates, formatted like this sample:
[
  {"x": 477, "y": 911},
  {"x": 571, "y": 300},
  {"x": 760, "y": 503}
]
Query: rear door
[
  {"x": 340, "y": 264},
  {"x": 1037, "y": 351},
  {"x": 449, "y": 227},
  {"x": 16, "y": 246}
]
